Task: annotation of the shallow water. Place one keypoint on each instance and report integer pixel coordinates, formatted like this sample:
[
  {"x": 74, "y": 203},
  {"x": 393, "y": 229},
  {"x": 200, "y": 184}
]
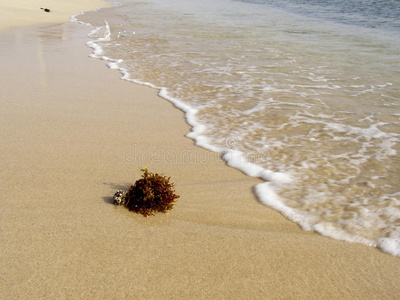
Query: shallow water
[{"x": 304, "y": 95}]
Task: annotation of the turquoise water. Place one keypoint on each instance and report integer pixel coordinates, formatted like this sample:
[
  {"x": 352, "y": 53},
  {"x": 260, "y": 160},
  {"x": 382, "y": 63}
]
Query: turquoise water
[{"x": 303, "y": 94}]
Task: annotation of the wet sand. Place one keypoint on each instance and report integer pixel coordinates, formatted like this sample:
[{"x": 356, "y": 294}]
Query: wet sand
[
  {"x": 30, "y": 12},
  {"x": 72, "y": 133}
]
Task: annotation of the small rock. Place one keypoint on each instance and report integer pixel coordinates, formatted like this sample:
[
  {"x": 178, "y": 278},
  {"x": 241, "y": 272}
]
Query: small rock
[{"x": 119, "y": 197}]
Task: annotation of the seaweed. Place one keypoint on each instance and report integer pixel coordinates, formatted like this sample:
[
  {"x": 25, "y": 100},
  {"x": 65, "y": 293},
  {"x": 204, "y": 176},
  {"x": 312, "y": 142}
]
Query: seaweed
[{"x": 150, "y": 194}]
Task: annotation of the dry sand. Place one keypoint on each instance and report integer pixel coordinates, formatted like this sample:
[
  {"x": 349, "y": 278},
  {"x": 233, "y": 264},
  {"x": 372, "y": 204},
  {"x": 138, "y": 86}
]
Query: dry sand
[
  {"x": 14, "y": 13},
  {"x": 72, "y": 133}
]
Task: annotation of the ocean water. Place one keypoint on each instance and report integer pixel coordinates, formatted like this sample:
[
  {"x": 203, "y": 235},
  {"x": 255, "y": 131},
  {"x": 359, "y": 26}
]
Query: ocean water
[{"x": 302, "y": 94}]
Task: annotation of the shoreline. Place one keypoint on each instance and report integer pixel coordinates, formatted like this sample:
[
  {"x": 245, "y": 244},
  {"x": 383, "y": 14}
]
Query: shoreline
[
  {"x": 71, "y": 138},
  {"x": 265, "y": 190}
]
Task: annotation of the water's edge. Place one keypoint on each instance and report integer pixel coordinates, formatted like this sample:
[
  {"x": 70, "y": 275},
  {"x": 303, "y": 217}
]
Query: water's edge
[{"x": 265, "y": 192}]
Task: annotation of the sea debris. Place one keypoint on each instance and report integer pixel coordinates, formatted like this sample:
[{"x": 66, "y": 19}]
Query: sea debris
[
  {"x": 120, "y": 197},
  {"x": 45, "y": 9},
  {"x": 150, "y": 194}
]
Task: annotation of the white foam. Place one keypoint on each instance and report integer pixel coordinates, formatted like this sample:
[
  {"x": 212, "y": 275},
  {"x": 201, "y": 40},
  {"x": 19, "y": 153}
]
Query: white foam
[
  {"x": 238, "y": 160},
  {"x": 266, "y": 194},
  {"x": 278, "y": 178},
  {"x": 371, "y": 132},
  {"x": 330, "y": 230},
  {"x": 390, "y": 245}
]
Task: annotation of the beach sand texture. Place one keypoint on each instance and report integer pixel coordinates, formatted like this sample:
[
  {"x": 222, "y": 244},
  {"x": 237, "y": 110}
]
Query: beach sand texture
[
  {"x": 28, "y": 12},
  {"x": 72, "y": 133}
]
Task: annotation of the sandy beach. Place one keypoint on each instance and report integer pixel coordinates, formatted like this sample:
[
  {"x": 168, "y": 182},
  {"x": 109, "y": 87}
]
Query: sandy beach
[
  {"x": 72, "y": 133},
  {"x": 30, "y": 12}
]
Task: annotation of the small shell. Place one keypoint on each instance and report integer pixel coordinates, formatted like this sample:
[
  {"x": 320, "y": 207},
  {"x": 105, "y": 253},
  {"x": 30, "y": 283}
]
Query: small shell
[{"x": 119, "y": 197}]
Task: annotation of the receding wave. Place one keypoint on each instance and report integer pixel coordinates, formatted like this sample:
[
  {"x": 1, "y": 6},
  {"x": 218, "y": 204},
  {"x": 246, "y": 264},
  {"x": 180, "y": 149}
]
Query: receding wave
[{"x": 310, "y": 107}]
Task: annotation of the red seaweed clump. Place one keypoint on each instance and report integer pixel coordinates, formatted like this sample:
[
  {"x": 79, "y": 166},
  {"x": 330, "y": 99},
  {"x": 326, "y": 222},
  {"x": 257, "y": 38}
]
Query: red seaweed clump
[{"x": 150, "y": 194}]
